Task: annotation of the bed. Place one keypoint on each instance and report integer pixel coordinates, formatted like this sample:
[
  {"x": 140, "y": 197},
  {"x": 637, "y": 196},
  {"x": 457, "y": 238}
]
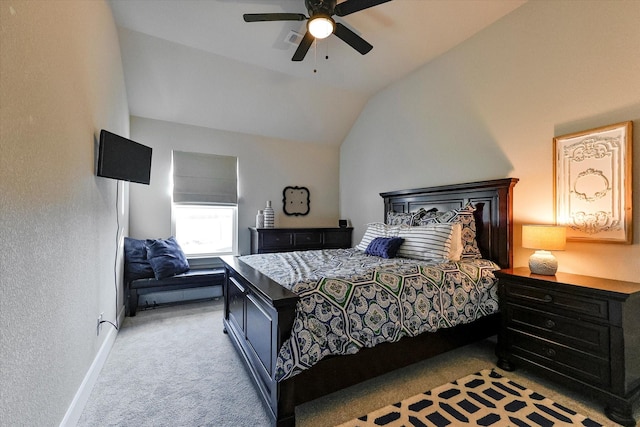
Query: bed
[{"x": 260, "y": 313}]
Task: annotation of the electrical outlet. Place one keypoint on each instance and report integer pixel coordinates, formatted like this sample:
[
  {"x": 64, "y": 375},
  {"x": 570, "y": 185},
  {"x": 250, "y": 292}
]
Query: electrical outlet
[{"x": 99, "y": 324}]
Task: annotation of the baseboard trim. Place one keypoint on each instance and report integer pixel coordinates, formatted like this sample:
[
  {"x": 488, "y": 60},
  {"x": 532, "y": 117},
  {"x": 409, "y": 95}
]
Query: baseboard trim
[{"x": 84, "y": 391}]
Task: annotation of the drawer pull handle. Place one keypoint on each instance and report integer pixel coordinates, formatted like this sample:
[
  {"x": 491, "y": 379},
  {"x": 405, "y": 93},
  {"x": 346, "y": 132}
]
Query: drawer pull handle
[
  {"x": 549, "y": 352},
  {"x": 550, "y": 324},
  {"x": 547, "y": 298}
]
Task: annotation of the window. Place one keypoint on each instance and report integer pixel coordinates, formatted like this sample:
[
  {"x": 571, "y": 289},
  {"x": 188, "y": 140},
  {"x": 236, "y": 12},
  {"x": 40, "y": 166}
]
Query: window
[
  {"x": 206, "y": 229},
  {"x": 205, "y": 197}
]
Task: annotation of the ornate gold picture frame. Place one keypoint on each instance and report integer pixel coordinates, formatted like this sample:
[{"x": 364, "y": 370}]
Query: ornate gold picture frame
[{"x": 592, "y": 184}]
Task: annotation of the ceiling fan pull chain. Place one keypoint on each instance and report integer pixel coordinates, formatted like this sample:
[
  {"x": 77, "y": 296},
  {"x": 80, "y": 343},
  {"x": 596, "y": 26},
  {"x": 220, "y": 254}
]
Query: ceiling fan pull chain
[
  {"x": 315, "y": 55},
  {"x": 326, "y": 56}
]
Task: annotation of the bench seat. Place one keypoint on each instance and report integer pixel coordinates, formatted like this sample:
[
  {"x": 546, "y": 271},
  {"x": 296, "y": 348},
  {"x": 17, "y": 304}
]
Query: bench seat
[{"x": 194, "y": 278}]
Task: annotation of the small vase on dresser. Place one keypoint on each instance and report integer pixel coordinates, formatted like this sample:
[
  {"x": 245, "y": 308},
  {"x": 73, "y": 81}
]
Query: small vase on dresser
[
  {"x": 269, "y": 216},
  {"x": 260, "y": 219}
]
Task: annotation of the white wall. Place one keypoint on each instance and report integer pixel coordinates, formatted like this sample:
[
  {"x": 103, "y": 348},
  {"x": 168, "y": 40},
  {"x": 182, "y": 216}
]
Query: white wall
[
  {"x": 61, "y": 81},
  {"x": 265, "y": 167},
  {"x": 490, "y": 109},
  {"x": 172, "y": 82}
]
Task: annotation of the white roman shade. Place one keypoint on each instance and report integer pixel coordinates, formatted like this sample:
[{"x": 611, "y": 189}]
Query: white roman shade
[{"x": 204, "y": 178}]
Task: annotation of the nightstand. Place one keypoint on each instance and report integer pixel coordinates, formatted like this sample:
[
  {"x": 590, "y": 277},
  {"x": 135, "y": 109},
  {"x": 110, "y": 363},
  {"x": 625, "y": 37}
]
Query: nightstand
[{"x": 581, "y": 331}]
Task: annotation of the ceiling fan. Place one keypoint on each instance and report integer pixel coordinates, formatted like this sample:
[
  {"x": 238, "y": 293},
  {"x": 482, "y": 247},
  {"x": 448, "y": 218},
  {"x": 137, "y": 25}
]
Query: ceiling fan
[{"x": 320, "y": 23}]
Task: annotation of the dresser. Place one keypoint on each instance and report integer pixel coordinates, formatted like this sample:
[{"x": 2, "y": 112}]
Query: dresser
[
  {"x": 266, "y": 240},
  {"x": 581, "y": 331}
]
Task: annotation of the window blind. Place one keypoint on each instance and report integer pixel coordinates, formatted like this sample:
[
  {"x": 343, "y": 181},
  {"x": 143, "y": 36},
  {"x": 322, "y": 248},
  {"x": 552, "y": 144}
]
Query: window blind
[{"x": 204, "y": 178}]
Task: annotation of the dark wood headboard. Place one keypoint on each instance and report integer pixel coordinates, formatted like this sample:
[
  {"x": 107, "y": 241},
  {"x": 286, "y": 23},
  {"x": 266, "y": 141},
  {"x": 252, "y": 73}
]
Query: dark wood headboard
[{"x": 493, "y": 201}]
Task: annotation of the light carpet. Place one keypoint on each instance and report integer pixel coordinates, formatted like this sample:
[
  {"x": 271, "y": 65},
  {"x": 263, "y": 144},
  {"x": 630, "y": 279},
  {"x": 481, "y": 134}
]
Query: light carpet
[
  {"x": 173, "y": 366},
  {"x": 485, "y": 398}
]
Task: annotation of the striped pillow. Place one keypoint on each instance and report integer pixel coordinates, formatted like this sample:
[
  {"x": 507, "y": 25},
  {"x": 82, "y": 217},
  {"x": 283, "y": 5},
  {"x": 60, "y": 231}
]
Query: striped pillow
[
  {"x": 456, "y": 242},
  {"x": 375, "y": 229},
  {"x": 464, "y": 217},
  {"x": 428, "y": 242}
]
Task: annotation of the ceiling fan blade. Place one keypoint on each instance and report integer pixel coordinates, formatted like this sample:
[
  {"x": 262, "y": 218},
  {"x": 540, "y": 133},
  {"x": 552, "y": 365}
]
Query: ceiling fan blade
[
  {"x": 261, "y": 17},
  {"x": 303, "y": 47},
  {"x": 352, "y": 39},
  {"x": 352, "y": 6}
]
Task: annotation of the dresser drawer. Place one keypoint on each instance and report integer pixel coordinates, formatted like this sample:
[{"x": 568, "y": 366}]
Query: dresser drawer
[
  {"x": 277, "y": 240},
  {"x": 337, "y": 239},
  {"x": 310, "y": 239},
  {"x": 568, "y": 304},
  {"x": 592, "y": 338},
  {"x": 577, "y": 364}
]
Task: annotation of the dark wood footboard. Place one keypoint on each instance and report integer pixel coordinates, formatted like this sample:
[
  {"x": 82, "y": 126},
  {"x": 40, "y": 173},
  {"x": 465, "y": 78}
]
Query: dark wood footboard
[
  {"x": 259, "y": 313},
  {"x": 258, "y": 317}
]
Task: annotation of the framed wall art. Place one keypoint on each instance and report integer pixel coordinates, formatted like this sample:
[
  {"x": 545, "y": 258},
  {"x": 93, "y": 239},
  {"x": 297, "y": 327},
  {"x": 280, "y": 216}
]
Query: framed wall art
[
  {"x": 592, "y": 184},
  {"x": 295, "y": 200}
]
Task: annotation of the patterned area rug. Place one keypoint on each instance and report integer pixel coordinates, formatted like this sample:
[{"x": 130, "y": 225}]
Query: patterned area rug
[{"x": 485, "y": 399}]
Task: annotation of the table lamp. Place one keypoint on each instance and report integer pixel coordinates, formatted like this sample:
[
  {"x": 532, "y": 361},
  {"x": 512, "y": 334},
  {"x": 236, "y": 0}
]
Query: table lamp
[{"x": 544, "y": 238}]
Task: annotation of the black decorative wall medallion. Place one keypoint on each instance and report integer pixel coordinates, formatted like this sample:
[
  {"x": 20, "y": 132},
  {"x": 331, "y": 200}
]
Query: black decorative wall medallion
[{"x": 295, "y": 200}]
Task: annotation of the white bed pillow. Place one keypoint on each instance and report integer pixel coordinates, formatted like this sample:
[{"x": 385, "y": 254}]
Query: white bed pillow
[
  {"x": 375, "y": 229},
  {"x": 430, "y": 242}
]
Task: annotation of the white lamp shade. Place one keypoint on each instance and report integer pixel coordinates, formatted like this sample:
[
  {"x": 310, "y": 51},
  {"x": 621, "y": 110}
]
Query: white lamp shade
[
  {"x": 545, "y": 237},
  {"x": 320, "y": 27}
]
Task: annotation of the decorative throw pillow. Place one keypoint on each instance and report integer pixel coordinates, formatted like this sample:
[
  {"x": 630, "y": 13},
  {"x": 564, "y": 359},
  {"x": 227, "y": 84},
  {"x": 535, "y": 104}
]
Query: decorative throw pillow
[
  {"x": 136, "y": 265},
  {"x": 166, "y": 258},
  {"x": 465, "y": 217},
  {"x": 399, "y": 218},
  {"x": 375, "y": 229},
  {"x": 423, "y": 213},
  {"x": 385, "y": 247},
  {"x": 408, "y": 218},
  {"x": 428, "y": 242}
]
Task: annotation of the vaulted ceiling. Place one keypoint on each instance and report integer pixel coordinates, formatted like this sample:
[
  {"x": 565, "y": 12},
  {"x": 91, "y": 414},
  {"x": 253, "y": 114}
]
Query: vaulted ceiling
[{"x": 197, "y": 62}]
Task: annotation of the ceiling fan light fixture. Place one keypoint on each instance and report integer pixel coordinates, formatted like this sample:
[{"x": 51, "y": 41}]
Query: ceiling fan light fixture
[{"x": 321, "y": 26}]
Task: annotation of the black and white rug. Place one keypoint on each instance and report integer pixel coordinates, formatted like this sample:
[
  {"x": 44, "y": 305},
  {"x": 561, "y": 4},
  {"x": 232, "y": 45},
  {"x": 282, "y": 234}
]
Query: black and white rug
[{"x": 485, "y": 399}]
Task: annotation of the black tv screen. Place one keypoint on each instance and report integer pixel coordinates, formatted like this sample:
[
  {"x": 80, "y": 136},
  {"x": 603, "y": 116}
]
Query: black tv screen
[{"x": 124, "y": 159}]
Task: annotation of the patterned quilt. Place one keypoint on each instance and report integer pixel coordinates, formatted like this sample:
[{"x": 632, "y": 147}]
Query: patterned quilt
[{"x": 350, "y": 300}]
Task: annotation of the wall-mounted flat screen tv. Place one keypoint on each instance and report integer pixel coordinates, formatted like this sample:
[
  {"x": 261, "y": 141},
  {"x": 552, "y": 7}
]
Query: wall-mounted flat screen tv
[{"x": 123, "y": 159}]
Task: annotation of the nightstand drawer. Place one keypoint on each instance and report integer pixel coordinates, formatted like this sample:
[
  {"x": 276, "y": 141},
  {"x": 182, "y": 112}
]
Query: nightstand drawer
[
  {"x": 577, "y": 364},
  {"x": 564, "y": 303},
  {"x": 590, "y": 337}
]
